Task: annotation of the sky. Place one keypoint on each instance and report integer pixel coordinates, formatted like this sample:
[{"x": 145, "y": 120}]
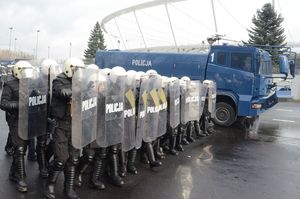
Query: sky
[{"x": 66, "y": 24}]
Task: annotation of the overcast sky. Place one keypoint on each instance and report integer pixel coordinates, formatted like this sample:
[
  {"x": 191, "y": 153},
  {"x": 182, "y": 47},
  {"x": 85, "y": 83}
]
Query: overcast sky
[{"x": 63, "y": 21}]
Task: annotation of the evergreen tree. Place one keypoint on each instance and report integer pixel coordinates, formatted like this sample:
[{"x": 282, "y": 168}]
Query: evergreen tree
[
  {"x": 96, "y": 42},
  {"x": 267, "y": 28}
]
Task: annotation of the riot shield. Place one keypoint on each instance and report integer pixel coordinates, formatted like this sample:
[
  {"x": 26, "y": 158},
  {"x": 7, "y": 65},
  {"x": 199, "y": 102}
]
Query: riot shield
[
  {"x": 203, "y": 94},
  {"x": 174, "y": 103},
  {"x": 33, "y": 97},
  {"x": 129, "y": 114},
  {"x": 212, "y": 98},
  {"x": 183, "y": 102},
  {"x": 53, "y": 72},
  {"x": 153, "y": 108},
  {"x": 84, "y": 106},
  {"x": 142, "y": 93},
  {"x": 112, "y": 116},
  {"x": 192, "y": 101},
  {"x": 162, "y": 122}
]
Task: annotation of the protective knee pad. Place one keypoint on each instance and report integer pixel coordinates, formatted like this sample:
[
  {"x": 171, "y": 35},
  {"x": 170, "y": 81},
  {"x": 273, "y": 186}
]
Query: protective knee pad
[
  {"x": 58, "y": 165},
  {"x": 114, "y": 149},
  {"x": 101, "y": 153},
  {"x": 73, "y": 161},
  {"x": 20, "y": 150}
]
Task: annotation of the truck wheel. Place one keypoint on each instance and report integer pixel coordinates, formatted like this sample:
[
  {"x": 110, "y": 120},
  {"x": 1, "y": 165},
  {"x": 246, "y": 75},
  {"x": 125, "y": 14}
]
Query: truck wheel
[{"x": 225, "y": 114}]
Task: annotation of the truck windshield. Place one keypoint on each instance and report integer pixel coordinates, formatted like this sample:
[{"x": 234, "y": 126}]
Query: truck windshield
[{"x": 265, "y": 67}]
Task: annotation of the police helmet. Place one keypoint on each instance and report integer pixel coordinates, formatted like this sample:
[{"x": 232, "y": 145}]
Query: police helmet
[
  {"x": 71, "y": 64},
  {"x": 151, "y": 72},
  {"x": 22, "y": 69},
  {"x": 105, "y": 71},
  {"x": 46, "y": 64},
  {"x": 116, "y": 72}
]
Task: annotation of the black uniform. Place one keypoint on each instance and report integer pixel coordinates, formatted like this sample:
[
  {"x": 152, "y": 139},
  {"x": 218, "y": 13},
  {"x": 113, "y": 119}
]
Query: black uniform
[
  {"x": 9, "y": 103},
  {"x": 65, "y": 155}
]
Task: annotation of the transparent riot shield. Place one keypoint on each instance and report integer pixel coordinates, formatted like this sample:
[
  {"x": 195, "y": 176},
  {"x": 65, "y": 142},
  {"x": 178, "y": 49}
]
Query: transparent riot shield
[
  {"x": 153, "y": 108},
  {"x": 53, "y": 72},
  {"x": 162, "y": 122},
  {"x": 174, "y": 103},
  {"x": 101, "y": 137},
  {"x": 111, "y": 133},
  {"x": 184, "y": 108},
  {"x": 128, "y": 141},
  {"x": 33, "y": 97},
  {"x": 84, "y": 107},
  {"x": 203, "y": 94},
  {"x": 193, "y": 101},
  {"x": 212, "y": 98},
  {"x": 142, "y": 93}
]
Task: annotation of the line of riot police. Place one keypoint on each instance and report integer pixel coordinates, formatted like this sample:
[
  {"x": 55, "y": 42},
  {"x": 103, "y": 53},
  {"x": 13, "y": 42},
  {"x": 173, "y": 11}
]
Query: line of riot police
[{"x": 85, "y": 116}]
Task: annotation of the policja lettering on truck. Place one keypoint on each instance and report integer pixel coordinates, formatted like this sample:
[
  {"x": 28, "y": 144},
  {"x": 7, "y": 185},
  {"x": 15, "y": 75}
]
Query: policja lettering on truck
[
  {"x": 141, "y": 62},
  {"x": 37, "y": 100}
]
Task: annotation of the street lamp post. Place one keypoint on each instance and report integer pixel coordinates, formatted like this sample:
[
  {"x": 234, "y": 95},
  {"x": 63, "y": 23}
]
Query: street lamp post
[
  {"x": 15, "y": 47},
  {"x": 48, "y": 52},
  {"x": 70, "y": 50},
  {"x": 10, "y": 32},
  {"x": 37, "y": 43}
]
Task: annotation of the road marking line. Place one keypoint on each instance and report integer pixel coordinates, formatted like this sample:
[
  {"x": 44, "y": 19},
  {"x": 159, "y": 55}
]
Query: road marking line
[
  {"x": 291, "y": 121},
  {"x": 287, "y": 110}
]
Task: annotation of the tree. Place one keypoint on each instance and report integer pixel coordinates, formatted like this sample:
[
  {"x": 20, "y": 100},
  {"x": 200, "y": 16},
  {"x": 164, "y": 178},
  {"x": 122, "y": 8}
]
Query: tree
[
  {"x": 267, "y": 28},
  {"x": 96, "y": 42}
]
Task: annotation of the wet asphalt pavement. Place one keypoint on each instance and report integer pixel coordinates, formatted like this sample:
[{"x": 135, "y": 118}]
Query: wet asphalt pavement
[{"x": 231, "y": 164}]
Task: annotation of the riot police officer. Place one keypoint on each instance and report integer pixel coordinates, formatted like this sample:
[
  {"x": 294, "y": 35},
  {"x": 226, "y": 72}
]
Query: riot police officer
[
  {"x": 10, "y": 104},
  {"x": 44, "y": 151},
  {"x": 65, "y": 155}
]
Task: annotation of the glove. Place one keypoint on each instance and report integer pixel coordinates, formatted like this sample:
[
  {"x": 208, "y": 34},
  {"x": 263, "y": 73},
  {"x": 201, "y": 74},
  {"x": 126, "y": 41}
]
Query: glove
[
  {"x": 66, "y": 93},
  {"x": 13, "y": 105},
  {"x": 36, "y": 92},
  {"x": 9, "y": 106}
]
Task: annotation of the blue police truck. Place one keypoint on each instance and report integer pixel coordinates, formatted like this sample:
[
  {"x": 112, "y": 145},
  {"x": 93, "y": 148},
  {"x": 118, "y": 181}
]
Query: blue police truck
[{"x": 243, "y": 75}]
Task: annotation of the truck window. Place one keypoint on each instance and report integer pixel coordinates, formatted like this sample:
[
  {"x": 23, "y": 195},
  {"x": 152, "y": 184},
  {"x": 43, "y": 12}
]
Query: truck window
[
  {"x": 241, "y": 61},
  {"x": 265, "y": 67},
  {"x": 221, "y": 58}
]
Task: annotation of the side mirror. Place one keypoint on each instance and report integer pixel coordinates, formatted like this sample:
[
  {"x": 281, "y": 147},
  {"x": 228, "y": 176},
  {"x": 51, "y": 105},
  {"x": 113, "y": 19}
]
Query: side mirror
[
  {"x": 283, "y": 65},
  {"x": 292, "y": 68}
]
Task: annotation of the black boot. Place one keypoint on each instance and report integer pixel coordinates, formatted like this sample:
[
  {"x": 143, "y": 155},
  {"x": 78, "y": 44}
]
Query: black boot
[
  {"x": 17, "y": 172},
  {"x": 69, "y": 182},
  {"x": 49, "y": 150},
  {"x": 183, "y": 135},
  {"x": 97, "y": 174},
  {"x": 9, "y": 147},
  {"x": 150, "y": 153},
  {"x": 84, "y": 163},
  {"x": 49, "y": 191},
  {"x": 123, "y": 163},
  {"x": 172, "y": 144},
  {"x": 198, "y": 131},
  {"x": 131, "y": 160},
  {"x": 114, "y": 174},
  {"x": 189, "y": 134},
  {"x": 143, "y": 154},
  {"x": 204, "y": 125},
  {"x": 31, "y": 150},
  {"x": 42, "y": 160},
  {"x": 158, "y": 153},
  {"x": 179, "y": 146}
]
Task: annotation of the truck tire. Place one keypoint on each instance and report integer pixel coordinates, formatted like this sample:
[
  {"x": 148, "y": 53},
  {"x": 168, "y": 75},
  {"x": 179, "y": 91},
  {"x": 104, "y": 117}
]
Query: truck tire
[{"x": 225, "y": 114}]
